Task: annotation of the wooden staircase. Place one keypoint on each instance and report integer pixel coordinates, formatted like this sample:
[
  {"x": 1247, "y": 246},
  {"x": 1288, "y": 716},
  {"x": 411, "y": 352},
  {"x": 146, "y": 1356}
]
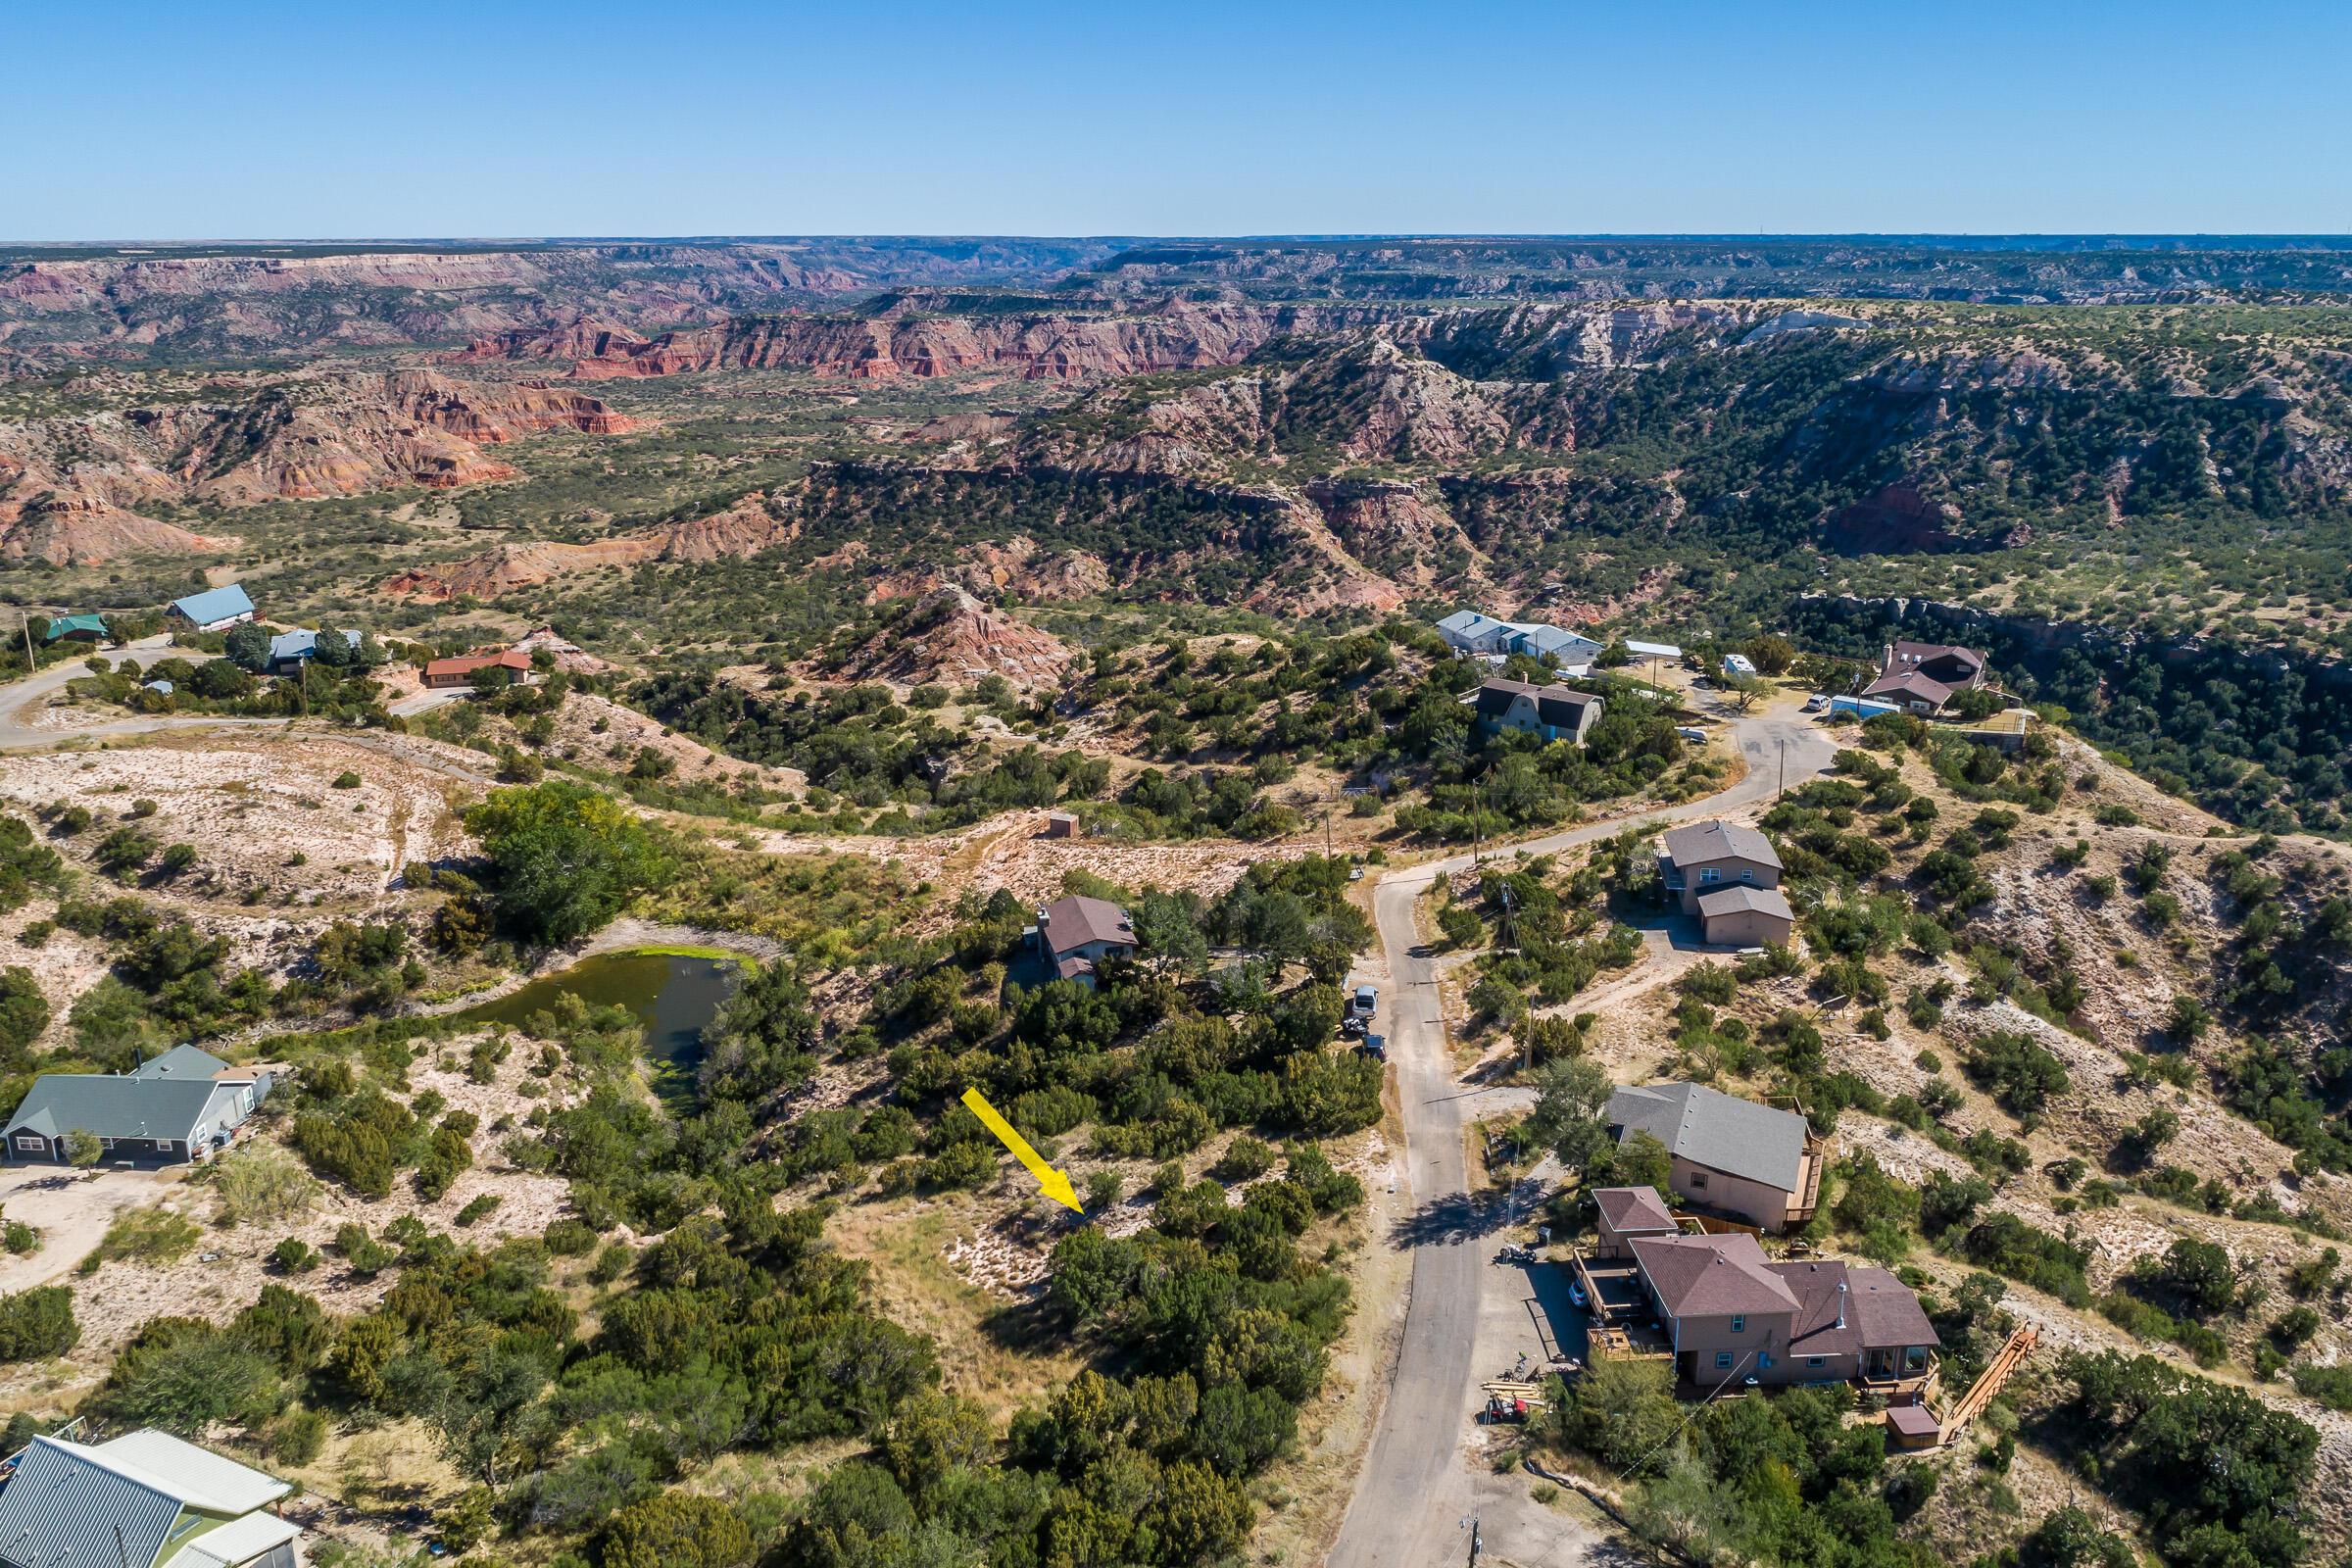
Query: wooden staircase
[{"x": 2013, "y": 1352}]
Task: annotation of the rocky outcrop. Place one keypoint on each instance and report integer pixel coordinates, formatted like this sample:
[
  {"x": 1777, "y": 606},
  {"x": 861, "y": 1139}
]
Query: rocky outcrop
[
  {"x": 488, "y": 414},
  {"x": 1016, "y": 566},
  {"x": 88, "y": 475},
  {"x": 951, "y": 636},
  {"x": 904, "y": 340},
  {"x": 88, "y": 532},
  {"x": 746, "y": 528}
]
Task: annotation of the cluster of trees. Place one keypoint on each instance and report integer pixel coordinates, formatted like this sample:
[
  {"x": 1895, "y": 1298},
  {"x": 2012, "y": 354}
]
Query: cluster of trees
[
  {"x": 860, "y": 748},
  {"x": 358, "y": 1135},
  {"x": 563, "y": 857},
  {"x": 1782, "y": 1480},
  {"x": 2217, "y": 1473}
]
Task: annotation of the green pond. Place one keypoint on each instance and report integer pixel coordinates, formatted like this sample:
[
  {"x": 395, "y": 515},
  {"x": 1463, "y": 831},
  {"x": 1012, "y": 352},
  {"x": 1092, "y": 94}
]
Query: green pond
[{"x": 674, "y": 998}]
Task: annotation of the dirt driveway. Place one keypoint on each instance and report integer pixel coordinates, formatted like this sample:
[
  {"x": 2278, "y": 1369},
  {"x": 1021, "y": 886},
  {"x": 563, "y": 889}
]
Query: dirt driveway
[{"x": 71, "y": 1211}]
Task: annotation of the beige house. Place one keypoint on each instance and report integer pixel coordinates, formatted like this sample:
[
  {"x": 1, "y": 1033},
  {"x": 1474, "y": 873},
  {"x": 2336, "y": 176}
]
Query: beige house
[
  {"x": 1731, "y": 1315},
  {"x": 1699, "y": 857},
  {"x": 1729, "y": 1157}
]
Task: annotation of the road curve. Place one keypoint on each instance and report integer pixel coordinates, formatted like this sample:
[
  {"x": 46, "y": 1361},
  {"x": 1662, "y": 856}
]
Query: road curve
[{"x": 1413, "y": 1485}]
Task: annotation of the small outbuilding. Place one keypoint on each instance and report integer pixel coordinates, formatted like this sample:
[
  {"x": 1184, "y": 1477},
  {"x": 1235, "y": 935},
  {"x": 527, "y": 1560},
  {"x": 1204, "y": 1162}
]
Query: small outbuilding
[
  {"x": 1061, "y": 825},
  {"x": 75, "y": 629}
]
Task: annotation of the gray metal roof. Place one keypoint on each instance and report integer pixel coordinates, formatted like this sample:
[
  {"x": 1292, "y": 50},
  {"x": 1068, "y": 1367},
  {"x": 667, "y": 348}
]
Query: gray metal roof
[
  {"x": 112, "y": 1107},
  {"x": 181, "y": 1062},
  {"x": 68, "y": 1507},
  {"x": 1702, "y": 842},
  {"x": 1719, "y": 1131}
]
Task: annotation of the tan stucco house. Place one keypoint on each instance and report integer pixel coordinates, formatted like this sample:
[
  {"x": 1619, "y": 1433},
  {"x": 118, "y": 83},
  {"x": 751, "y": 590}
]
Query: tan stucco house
[
  {"x": 1731, "y": 1157},
  {"x": 1731, "y": 1314}
]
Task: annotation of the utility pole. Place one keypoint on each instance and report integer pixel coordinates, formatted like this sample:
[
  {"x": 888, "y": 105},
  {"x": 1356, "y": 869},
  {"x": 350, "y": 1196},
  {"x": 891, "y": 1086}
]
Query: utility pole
[
  {"x": 24, "y": 620},
  {"x": 1780, "y": 743}
]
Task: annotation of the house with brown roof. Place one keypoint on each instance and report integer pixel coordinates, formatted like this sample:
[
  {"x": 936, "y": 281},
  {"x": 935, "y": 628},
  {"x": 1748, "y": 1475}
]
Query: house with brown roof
[
  {"x": 1908, "y": 688},
  {"x": 1076, "y": 932},
  {"x": 465, "y": 669},
  {"x": 1948, "y": 664},
  {"x": 1554, "y": 713},
  {"x": 1755, "y": 1164},
  {"x": 1733, "y": 1317},
  {"x": 1627, "y": 1214},
  {"x": 1745, "y": 917}
]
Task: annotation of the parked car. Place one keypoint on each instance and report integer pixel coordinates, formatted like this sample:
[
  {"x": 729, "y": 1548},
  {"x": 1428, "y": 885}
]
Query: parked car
[
  {"x": 1364, "y": 1002},
  {"x": 1817, "y": 702},
  {"x": 1375, "y": 1046}
]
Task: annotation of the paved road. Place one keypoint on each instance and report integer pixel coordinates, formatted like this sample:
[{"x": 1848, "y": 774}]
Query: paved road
[
  {"x": 17, "y": 703},
  {"x": 1415, "y": 1487},
  {"x": 20, "y": 700}
]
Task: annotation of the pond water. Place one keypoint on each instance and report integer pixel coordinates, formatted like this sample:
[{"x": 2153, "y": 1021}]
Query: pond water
[{"x": 674, "y": 998}]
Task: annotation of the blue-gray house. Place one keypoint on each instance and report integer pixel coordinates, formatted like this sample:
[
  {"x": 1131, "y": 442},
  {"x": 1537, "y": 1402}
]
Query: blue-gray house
[{"x": 181, "y": 1107}]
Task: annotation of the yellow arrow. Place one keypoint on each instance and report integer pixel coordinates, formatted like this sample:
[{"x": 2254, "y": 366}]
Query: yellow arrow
[{"x": 1056, "y": 1185}]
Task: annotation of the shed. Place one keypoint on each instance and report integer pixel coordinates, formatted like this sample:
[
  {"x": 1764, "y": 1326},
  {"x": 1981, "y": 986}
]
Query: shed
[
  {"x": 77, "y": 628},
  {"x": 1913, "y": 1426},
  {"x": 1061, "y": 825}
]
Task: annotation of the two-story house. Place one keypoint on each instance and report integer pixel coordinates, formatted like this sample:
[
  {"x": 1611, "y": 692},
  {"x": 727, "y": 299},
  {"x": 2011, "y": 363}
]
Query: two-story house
[
  {"x": 1728, "y": 875},
  {"x": 1554, "y": 713},
  {"x": 1731, "y": 1157},
  {"x": 1076, "y": 932},
  {"x": 1732, "y": 1314}
]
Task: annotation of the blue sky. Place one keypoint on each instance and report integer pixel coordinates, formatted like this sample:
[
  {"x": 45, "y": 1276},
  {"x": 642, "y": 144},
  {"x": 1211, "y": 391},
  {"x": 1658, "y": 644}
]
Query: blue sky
[{"x": 140, "y": 121}]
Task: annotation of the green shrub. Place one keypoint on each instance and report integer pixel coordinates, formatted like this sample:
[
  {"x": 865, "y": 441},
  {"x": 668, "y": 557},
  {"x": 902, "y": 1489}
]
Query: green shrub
[{"x": 37, "y": 1325}]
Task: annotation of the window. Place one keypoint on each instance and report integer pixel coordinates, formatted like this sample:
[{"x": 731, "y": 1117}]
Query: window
[
  {"x": 1740, "y": 1324},
  {"x": 1915, "y": 1357},
  {"x": 1815, "y": 1360},
  {"x": 32, "y": 1141},
  {"x": 1747, "y": 874},
  {"x": 1698, "y": 1178},
  {"x": 1711, "y": 873},
  {"x": 1723, "y": 1360}
]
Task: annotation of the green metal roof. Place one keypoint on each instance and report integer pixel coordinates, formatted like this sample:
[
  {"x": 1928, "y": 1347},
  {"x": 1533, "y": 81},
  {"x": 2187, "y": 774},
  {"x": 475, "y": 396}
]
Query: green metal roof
[{"x": 68, "y": 625}]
